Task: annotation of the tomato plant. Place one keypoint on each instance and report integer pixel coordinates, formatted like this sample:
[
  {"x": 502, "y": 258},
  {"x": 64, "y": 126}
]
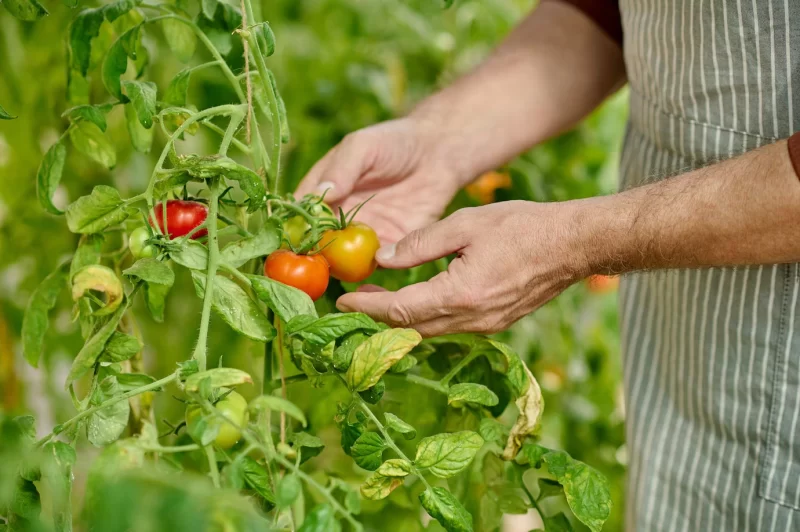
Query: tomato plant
[
  {"x": 451, "y": 425},
  {"x": 350, "y": 251},
  {"x": 309, "y": 273}
]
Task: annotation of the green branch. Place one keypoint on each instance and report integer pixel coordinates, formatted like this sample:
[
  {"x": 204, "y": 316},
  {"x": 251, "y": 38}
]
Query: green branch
[{"x": 211, "y": 273}]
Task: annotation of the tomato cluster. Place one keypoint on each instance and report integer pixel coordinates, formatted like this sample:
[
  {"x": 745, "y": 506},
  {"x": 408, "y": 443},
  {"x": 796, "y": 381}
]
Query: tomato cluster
[{"x": 347, "y": 254}]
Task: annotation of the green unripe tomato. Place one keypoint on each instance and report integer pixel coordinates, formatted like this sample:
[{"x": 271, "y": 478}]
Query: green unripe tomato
[
  {"x": 137, "y": 242},
  {"x": 322, "y": 209},
  {"x": 294, "y": 230},
  {"x": 233, "y": 407}
]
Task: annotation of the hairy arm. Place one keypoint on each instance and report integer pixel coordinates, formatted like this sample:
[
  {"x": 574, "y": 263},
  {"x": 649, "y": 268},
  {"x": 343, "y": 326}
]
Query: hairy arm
[
  {"x": 742, "y": 211},
  {"x": 515, "y": 256},
  {"x": 552, "y": 70}
]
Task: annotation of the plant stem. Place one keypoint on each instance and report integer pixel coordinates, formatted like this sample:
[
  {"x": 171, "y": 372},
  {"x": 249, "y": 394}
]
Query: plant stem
[
  {"x": 458, "y": 367},
  {"x": 174, "y": 449},
  {"x": 211, "y": 274},
  {"x": 236, "y": 119},
  {"x": 238, "y": 143},
  {"x": 279, "y": 346},
  {"x": 386, "y": 436},
  {"x": 422, "y": 381},
  {"x": 212, "y": 466},
  {"x": 89, "y": 411}
]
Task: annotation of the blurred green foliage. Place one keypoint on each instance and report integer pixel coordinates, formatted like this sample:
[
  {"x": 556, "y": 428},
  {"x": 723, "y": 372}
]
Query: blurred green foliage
[{"x": 341, "y": 65}]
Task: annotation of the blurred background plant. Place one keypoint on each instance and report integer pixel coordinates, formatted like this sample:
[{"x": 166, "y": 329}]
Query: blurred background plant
[{"x": 341, "y": 65}]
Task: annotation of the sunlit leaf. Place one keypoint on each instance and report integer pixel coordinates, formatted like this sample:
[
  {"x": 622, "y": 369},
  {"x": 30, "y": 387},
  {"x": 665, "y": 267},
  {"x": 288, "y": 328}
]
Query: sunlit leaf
[
  {"x": 328, "y": 328},
  {"x": 98, "y": 278},
  {"x": 95, "y": 114},
  {"x": 151, "y": 271},
  {"x": 375, "y": 356},
  {"x": 89, "y": 140},
  {"x": 94, "y": 213},
  {"x": 106, "y": 425},
  {"x": 395, "y": 423},
  {"x": 143, "y": 98},
  {"x": 469, "y": 392},
  {"x": 180, "y": 38},
  {"x": 378, "y": 486},
  {"x": 286, "y": 301},
  {"x": 446, "y": 455}
]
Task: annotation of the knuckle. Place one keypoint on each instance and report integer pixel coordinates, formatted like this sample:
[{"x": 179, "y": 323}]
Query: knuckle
[{"x": 399, "y": 315}]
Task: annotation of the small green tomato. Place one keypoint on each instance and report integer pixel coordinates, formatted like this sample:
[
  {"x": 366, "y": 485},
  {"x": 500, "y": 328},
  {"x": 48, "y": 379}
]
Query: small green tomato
[
  {"x": 137, "y": 242},
  {"x": 233, "y": 407}
]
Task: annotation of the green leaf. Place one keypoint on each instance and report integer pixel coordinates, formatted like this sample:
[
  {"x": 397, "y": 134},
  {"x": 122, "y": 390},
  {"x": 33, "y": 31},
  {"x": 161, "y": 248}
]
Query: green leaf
[
  {"x": 375, "y": 394},
  {"x": 116, "y": 9},
  {"x": 446, "y": 455},
  {"x": 95, "y": 114},
  {"x": 265, "y": 37},
  {"x": 287, "y": 490},
  {"x": 343, "y": 354},
  {"x": 156, "y": 296},
  {"x": 262, "y": 243},
  {"x": 204, "y": 167},
  {"x": 131, "y": 381},
  {"x": 192, "y": 255},
  {"x": 84, "y": 28},
  {"x": 180, "y": 38},
  {"x": 90, "y": 141},
  {"x": 277, "y": 404},
  {"x": 120, "y": 347},
  {"x": 257, "y": 479},
  {"x": 515, "y": 369},
  {"x": 97, "y": 211},
  {"x": 307, "y": 445},
  {"x": 106, "y": 425},
  {"x": 468, "y": 392},
  {"x": 4, "y": 114},
  {"x": 98, "y": 278},
  {"x": 25, "y": 501},
  {"x": 27, "y": 10},
  {"x": 549, "y": 488},
  {"x": 35, "y": 322},
  {"x": 209, "y": 7},
  {"x": 143, "y": 98},
  {"x": 141, "y": 137},
  {"x": 151, "y": 271},
  {"x": 93, "y": 348},
  {"x": 378, "y": 486},
  {"x": 286, "y": 301},
  {"x": 116, "y": 61},
  {"x": 375, "y": 356},
  {"x": 235, "y": 307},
  {"x": 350, "y": 433},
  {"x": 395, "y": 423},
  {"x": 328, "y": 328},
  {"x": 404, "y": 364},
  {"x": 445, "y": 508},
  {"x": 492, "y": 430},
  {"x": 321, "y": 518},
  {"x": 219, "y": 377},
  {"x": 586, "y": 489},
  {"x": 178, "y": 88},
  {"x": 367, "y": 451}
]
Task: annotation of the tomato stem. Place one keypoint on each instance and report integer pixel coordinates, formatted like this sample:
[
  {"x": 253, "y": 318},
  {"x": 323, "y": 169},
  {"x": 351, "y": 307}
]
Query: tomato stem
[
  {"x": 212, "y": 465},
  {"x": 211, "y": 273}
]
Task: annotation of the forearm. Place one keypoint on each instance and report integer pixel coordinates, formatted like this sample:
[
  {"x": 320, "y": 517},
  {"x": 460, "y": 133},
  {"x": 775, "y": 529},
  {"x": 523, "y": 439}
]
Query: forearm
[
  {"x": 553, "y": 69},
  {"x": 743, "y": 211}
]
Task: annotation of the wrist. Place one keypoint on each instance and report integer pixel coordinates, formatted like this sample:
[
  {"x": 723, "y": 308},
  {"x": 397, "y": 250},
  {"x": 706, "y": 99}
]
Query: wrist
[{"x": 604, "y": 239}]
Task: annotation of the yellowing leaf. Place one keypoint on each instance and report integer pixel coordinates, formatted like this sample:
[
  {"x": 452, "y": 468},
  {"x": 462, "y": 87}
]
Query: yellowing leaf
[
  {"x": 531, "y": 406},
  {"x": 374, "y": 357},
  {"x": 100, "y": 279}
]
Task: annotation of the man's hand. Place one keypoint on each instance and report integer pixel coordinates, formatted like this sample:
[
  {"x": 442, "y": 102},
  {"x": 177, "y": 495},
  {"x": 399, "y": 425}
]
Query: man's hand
[
  {"x": 512, "y": 258},
  {"x": 394, "y": 162}
]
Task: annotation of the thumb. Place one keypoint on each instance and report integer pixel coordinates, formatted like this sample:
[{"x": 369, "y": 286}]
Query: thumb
[{"x": 424, "y": 245}]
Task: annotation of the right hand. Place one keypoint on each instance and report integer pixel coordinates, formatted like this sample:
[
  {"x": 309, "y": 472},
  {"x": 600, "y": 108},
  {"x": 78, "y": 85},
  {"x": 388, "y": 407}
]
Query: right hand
[{"x": 395, "y": 161}]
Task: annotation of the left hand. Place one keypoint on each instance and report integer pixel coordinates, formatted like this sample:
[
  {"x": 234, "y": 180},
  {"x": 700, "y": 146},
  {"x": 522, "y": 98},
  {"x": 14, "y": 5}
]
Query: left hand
[{"x": 513, "y": 257}]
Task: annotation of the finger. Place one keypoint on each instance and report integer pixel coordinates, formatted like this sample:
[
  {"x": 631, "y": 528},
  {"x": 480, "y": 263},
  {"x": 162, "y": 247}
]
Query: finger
[
  {"x": 348, "y": 161},
  {"x": 408, "y": 306},
  {"x": 371, "y": 288},
  {"x": 311, "y": 182},
  {"x": 424, "y": 245}
]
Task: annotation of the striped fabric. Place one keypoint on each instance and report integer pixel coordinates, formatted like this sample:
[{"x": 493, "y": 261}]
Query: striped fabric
[{"x": 712, "y": 357}]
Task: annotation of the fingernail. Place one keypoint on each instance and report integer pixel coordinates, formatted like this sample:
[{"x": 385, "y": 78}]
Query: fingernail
[
  {"x": 325, "y": 186},
  {"x": 386, "y": 252}
]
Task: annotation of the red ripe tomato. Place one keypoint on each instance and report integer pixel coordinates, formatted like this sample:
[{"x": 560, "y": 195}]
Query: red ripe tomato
[
  {"x": 182, "y": 218},
  {"x": 351, "y": 252},
  {"x": 309, "y": 273}
]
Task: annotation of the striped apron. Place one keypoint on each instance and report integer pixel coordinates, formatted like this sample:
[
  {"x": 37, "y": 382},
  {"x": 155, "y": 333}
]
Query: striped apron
[{"x": 711, "y": 357}]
